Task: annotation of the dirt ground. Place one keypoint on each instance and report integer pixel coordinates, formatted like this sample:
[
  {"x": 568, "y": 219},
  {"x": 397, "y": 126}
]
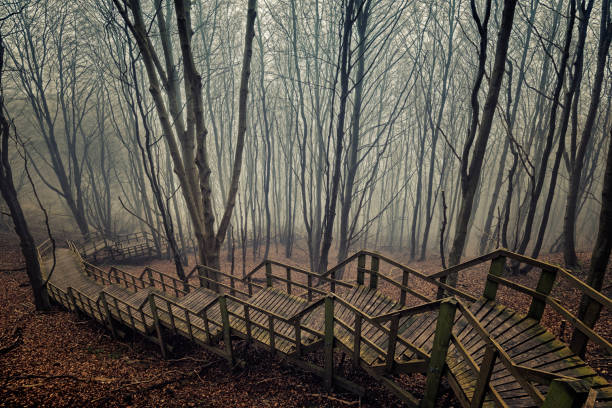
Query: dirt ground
[{"x": 58, "y": 359}]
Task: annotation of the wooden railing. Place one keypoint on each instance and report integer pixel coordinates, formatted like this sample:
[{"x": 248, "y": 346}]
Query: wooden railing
[
  {"x": 162, "y": 310},
  {"x": 540, "y": 296},
  {"x": 117, "y": 247},
  {"x": 282, "y": 274}
]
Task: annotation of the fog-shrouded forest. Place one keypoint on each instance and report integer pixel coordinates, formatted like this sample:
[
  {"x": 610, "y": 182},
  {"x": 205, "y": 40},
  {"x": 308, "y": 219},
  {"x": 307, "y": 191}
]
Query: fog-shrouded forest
[
  {"x": 310, "y": 129},
  {"x": 366, "y": 124}
]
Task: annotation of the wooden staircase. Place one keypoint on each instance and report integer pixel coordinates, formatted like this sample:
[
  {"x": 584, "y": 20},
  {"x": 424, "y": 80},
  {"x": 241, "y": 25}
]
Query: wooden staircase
[{"x": 490, "y": 354}]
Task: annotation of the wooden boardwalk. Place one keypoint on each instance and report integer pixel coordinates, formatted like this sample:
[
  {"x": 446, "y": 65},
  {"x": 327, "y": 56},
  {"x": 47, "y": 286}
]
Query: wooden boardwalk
[{"x": 491, "y": 355}]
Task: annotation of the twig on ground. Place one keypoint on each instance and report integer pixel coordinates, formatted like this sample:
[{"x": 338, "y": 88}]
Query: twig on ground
[
  {"x": 16, "y": 335},
  {"x": 15, "y": 269},
  {"x": 335, "y": 399},
  {"x": 114, "y": 393}
]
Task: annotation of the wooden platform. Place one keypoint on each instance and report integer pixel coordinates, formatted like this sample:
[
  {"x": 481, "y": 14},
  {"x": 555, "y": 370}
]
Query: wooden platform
[{"x": 378, "y": 332}]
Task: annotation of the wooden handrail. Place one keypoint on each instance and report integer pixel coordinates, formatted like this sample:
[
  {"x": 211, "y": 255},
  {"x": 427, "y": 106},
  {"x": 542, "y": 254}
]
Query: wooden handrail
[{"x": 409, "y": 311}]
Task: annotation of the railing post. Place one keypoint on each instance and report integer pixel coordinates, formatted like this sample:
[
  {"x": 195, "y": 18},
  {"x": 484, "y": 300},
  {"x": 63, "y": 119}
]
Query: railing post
[
  {"x": 361, "y": 263},
  {"x": 204, "y": 283},
  {"x": 150, "y": 276},
  {"x": 566, "y": 394},
  {"x": 374, "y": 272},
  {"x": 405, "y": 276},
  {"x": 357, "y": 340},
  {"x": 329, "y": 343},
  {"x": 108, "y": 314},
  {"x": 309, "y": 279},
  {"x": 227, "y": 331},
  {"x": 249, "y": 285},
  {"x": 160, "y": 338},
  {"x": 247, "y": 321},
  {"x": 232, "y": 286},
  {"x": 268, "y": 274},
  {"x": 392, "y": 343},
  {"x": 75, "y": 309},
  {"x": 271, "y": 330},
  {"x": 288, "y": 280},
  {"x": 333, "y": 282},
  {"x": 435, "y": 368},
  {"x": 486, "y": 369},
  {"x": 544, "y": 287},
  {"x": 496, "y": 269},
  {"x": 298, "y": 339}
]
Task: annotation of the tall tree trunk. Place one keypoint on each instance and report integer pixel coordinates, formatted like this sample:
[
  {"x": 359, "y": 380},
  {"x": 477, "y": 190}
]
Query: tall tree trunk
[
  {"x": 332, "y": 198},
  {"x": 470, "y": 180},
  {"x": 589, "y": 310},
  {"x": 569, "y": 221},
  {"x": 9, "y": 194},
  {"x": 362, "y": 24}
]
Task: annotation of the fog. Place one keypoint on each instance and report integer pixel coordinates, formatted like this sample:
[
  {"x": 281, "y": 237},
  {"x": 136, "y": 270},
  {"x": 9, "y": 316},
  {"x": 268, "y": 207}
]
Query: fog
[{"x": 327, "y": 126}]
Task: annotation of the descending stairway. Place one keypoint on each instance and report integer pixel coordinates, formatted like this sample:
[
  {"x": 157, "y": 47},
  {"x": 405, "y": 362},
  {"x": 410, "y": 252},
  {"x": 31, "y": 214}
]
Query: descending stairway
[{"x": 518, "y": 358}]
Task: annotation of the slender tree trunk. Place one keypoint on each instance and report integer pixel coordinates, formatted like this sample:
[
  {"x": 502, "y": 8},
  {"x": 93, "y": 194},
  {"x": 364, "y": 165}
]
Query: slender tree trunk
[
  {"x": 589, "y": 310},
  {"x": 569, "y": 221},
  {"x": 9, "y": 194},
  {"x": 469, "y": 182}
]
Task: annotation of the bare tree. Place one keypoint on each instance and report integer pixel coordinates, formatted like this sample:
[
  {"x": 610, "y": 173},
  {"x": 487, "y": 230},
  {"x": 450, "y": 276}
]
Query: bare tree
[
  {"x": 471, "y": 167},
  {"x": 9, "y": 194}
]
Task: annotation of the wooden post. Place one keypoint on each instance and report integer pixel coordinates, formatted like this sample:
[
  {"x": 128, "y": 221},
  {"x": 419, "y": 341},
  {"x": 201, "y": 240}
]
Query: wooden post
[
  {"x": 309, "y": 288},
  {"x": 392, "y": 343},
  {"x": 288, "y": 280},
  {"x": 298, "y": 339},
  {"x": 361, "y": 262},
  {"x": 405, "y": 276},
  {"x": 486, "y": 369},
  {"x": 188, "y": 323},
  {"x": 496, "y": 269},
  {"x": 444, "y": 327},
  {"x": 374, "y": 272},
  {"x": 74, "y": 308},
  {"x": 272, "y": 339},
  {"x": 357, "y": 340},
  {"x": 109, "y": 318},
  {"x": 329, "y": 343},
  {"x": 160, "y": 338},
  {"x": 247, "y": 321},
  {"x": 333, "y": 281},
  {"x": 204, "y": 315},
  {"x": 268, "y": 274},
  {"x": 545, "y": 285},
  {"x": 566, "y": 394},
  {"x": 150, "y": 276},
  {"x": 249, "y": 285},
  {"x": 227, "y": 333}
]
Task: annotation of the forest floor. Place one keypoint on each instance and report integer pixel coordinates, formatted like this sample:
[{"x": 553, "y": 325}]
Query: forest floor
[{"x": 57, "y": 359}]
